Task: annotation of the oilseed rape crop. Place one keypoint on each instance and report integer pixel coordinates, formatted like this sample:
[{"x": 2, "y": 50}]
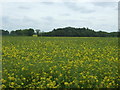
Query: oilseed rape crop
[{"x": 60, "y": 62}]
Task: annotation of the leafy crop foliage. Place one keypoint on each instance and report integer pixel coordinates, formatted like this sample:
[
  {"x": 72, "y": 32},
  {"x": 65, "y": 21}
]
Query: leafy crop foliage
[{"x": 60, "y": 62}]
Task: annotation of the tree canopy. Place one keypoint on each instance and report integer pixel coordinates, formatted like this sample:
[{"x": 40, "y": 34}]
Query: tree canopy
[
  {"x": 25, "y": 32},
  {"x": 79, "y": 32}
]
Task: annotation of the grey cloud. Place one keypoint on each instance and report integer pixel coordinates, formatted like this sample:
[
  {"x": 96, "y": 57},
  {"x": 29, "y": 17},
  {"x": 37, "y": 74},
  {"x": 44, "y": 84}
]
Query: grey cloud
[
  {"x": 47, "y": 3},
  {"x": 23, "y": 7},
  {"x": 7, "y": 20},
  {"x": 105, "y": 4},
  {"x": 14, "y": 23},
  {"x": 28, "y": 19},
  {"x": 47, "y": 18},
  {"x": 74, "y": 7},
  {"x": 65, "y": 14},
  {"x": 75, "y": 21}
]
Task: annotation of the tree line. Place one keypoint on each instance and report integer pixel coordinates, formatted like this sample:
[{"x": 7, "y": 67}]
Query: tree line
[
  {"x": 62, "y": 32},
  {"x": 24, "y": 32},
  {"x": 79, "y": 32}
]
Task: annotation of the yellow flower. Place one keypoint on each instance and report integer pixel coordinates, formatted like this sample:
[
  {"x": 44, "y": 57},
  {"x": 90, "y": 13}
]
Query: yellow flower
[
  {"x": 66, "y": 83},
  {"x": 3, "y": 86},
  {"x": 22, "y": 83},
  {"x": 3, "y": 81},
  {"x": 60, "y": 75},
  {"x": 110, "y": 83},
  {"x": 24, "y": 78},
  {"x": 23, "y": 68},
  {"x": 11, "y": 78},
  {"x": 96, "y": 80},
  {"x": 12, "y": 83},
  {"x": 33, "y": 80},
  {"x": 81, "y": 81}
]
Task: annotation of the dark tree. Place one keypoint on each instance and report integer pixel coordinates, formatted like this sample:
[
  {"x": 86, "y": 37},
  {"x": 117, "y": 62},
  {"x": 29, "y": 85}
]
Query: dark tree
[
  {"x": 4, "y": 32},
  {"x": 78, "y": 32},
  {"x": 37, "y": 31},
  {"x": 25, "y": 32}
]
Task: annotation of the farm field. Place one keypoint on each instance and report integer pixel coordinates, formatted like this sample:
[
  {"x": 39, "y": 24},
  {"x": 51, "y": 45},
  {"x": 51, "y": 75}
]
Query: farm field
[{"x": 60, "y": 62}]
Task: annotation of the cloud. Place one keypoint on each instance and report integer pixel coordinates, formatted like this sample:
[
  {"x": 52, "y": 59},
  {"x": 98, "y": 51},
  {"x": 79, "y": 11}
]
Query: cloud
[
  {"x": 17, "y": 23},
  {"x": 23, "y": 7},
  {"x": 80, "y": 7},
  {"x": 105, "y": 4},
  {"x": 65, "y": 14},
  {"x": 47, "y": 16},
  {"x": 47, "y": 3},
  {"x": 5, "y": 19}
]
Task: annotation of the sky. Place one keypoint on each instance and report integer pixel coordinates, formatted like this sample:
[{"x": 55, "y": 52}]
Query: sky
[{"x": 49, "y": 15}]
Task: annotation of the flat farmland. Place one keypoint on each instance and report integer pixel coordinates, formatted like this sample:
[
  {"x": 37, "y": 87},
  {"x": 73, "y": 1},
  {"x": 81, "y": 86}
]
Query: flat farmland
[{"x": 60, "y": 62}]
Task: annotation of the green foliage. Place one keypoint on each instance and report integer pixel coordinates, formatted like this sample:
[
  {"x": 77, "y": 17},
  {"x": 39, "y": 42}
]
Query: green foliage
[
  {"x": 25, "y": 32},
  {"x": 79, "y": 32}
]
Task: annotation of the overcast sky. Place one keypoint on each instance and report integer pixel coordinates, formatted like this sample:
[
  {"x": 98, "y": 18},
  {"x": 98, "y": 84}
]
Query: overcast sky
[{"x": 49, "y": 15}]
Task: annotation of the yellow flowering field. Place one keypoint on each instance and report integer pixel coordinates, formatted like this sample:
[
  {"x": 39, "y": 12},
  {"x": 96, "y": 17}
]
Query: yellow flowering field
[{"x": 60, "y": 62}]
